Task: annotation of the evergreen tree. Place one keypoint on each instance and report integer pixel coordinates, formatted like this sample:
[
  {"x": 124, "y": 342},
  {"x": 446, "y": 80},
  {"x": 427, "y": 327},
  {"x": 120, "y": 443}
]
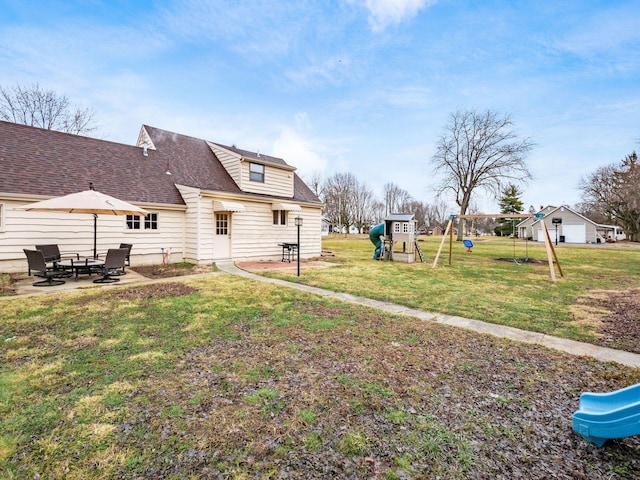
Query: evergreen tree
[{"x": 509, "y": 203}]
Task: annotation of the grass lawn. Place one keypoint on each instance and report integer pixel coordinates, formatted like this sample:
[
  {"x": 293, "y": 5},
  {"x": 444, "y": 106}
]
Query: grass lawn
[
  {"x": 227, "y": 378},
  {"x": 478, "y": 286}
]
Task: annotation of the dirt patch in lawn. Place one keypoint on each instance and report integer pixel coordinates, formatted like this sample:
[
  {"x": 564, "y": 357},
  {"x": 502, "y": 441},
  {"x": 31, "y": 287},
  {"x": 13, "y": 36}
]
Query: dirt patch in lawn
[
  {"x": 520, "y": 260},
  {"x": 614, "y": 316},
  {"x": 345, "y": 393},
  {"x": 172, "y": 270}
]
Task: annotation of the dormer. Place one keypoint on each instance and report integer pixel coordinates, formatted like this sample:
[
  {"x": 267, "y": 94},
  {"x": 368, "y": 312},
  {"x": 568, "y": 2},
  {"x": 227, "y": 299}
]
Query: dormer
[{"x": 256, "y": 173}]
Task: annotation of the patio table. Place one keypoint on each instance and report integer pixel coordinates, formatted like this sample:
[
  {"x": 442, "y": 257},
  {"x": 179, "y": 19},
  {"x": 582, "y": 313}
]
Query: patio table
[
  {"x": 288, "y": 251},
  {"x": 86, "y": 266}
]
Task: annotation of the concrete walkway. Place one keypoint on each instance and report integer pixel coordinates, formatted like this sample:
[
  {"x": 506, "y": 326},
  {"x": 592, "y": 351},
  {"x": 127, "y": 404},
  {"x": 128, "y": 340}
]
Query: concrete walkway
[{"x": 569, "y": 346}]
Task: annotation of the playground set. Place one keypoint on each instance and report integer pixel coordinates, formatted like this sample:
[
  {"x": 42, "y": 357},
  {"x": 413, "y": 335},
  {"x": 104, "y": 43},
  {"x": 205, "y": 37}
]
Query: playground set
[
  {"x": 551, "y": 253},
  {"x": 395, "y": 239},
  {"x": 601, "y": 416}
]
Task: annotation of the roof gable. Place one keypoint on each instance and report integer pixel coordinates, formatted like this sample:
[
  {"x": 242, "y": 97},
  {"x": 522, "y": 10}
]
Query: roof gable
[{"x": 550, "y": 211}]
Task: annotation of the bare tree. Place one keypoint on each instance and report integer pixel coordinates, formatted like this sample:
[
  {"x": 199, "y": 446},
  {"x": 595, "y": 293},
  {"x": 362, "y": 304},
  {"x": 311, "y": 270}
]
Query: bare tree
[
  {"x": 378, "y": 212},
  {"x": 397, "y": 200},
  {"x": 314, "y": 181},
  {"x": 41, "y": 108},
  {"x": 438, "y": 214},
  {"x": 363, "y": 207},
  {"x": 419, "y": 209},
  {"x": 339, "y": 199},
  {"x": 479, "y": 151},
  {"x": 612, "y": 191}
]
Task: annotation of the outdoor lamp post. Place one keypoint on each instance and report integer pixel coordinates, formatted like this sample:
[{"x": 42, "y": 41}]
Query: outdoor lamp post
[
  {"x": 556, "y": 221},
  {"x": 298, "y": 221}
]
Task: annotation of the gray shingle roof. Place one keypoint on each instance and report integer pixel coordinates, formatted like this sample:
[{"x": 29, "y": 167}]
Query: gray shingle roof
[
  {"x": 46, "y": 162},
  {"x": 258, "y": 157}
]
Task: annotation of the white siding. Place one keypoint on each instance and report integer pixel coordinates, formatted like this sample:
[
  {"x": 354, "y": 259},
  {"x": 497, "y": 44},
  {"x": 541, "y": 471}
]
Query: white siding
[
  {"x": 254, "y": 236},
  {"x": 230, "y": 161},
  {"x": 74, "y": 234},
  {"x": 580, "y": 229},
  {"x": 189, "y": 233},
  {"x": 143, "y": 137},
  {"x": 277, "y": 181},
  {"x": 199, "y": 223}
]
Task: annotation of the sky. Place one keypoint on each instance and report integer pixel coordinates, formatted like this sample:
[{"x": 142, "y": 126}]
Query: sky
[{"x": 359, "y": 86}]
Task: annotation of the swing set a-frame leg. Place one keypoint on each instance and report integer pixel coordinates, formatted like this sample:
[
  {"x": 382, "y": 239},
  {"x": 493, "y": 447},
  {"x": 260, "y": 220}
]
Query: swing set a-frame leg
[
  {"x": 551, "y": 253},
  {"x": 444, "y": 237}
]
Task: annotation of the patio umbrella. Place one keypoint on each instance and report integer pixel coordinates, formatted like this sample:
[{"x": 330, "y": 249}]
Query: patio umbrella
[{"x": 89, "y": 202}]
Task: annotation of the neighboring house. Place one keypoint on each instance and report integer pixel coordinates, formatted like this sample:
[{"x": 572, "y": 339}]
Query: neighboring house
[
  {"x": 325, "y": 228},
  {"x": 341, "y": 229},
  {"x": 207, "y": 201},
  {"x": 611, "y": 233},
  {"x": 570, "y": 226}
]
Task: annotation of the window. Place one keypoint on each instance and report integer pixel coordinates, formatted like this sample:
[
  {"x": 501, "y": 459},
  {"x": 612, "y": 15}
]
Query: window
[
  {"x": 151, "y": 221},
  {"x": 134, "y": 222},
  {"x": 396, "y": 227},
  {"x": 279, "y": 217},
  {"x": 405, "y": 228},
  {"x": 256, "y": 172},
  {"x": 222, "y": 223}
]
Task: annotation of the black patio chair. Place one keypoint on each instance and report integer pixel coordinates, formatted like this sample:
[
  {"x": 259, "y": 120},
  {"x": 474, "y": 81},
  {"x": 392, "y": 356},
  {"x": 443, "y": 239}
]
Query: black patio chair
[
  {"x": 127, "y": 262},
  {"x": 113, "y": 265},
  {"x": 52, "y": 253},
  {"x": 38, "y": 266},
  {"x": 52, "y": 256},
  {"x": 128, "y": 247}
]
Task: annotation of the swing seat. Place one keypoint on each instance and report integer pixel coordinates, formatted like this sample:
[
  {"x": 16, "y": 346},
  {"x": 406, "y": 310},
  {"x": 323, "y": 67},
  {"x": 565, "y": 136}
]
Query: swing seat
[{"x": 468, "y": 244}]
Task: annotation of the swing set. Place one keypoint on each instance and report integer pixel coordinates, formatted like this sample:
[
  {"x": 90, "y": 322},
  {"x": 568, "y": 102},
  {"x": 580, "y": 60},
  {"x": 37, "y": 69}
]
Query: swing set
[{"x": 551, "y": 253}]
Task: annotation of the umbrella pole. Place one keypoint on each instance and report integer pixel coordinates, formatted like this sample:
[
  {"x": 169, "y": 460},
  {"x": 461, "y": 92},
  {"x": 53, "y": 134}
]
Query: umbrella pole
[{"x": 95, "y": 235}]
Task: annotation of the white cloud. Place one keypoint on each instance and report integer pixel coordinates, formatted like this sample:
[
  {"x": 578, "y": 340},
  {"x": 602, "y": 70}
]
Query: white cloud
[
  {"x": 383, "y": 13},
  {"x": 297, "y": 149}
]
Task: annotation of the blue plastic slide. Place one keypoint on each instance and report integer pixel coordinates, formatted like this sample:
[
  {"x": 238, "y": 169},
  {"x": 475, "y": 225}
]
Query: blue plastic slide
[
  {"x": 376, "y": 235},
  {"x": 602, "y": 416}
]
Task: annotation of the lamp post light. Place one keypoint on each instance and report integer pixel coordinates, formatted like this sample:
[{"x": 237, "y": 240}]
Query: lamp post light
[
  {"x": 298, "y": 221},
  {"x": 556, "y": 221}
]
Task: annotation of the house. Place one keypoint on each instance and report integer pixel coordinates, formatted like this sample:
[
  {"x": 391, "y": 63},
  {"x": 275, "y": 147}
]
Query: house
[
  {"x": 611, "y": 233},
  {"x": 562, "y": 222},
  {"x": 353, "y": 230},
  {"x": 325, "y": 227},
  {"x": 207, "y": 201}
]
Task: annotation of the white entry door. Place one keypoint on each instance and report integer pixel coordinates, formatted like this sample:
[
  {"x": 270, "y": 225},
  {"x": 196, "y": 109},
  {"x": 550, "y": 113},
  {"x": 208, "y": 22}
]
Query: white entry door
[{"x": 222, "y": 236}]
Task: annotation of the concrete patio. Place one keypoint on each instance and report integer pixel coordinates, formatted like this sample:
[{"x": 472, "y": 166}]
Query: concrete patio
[{"x": 24, "y": 286}]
